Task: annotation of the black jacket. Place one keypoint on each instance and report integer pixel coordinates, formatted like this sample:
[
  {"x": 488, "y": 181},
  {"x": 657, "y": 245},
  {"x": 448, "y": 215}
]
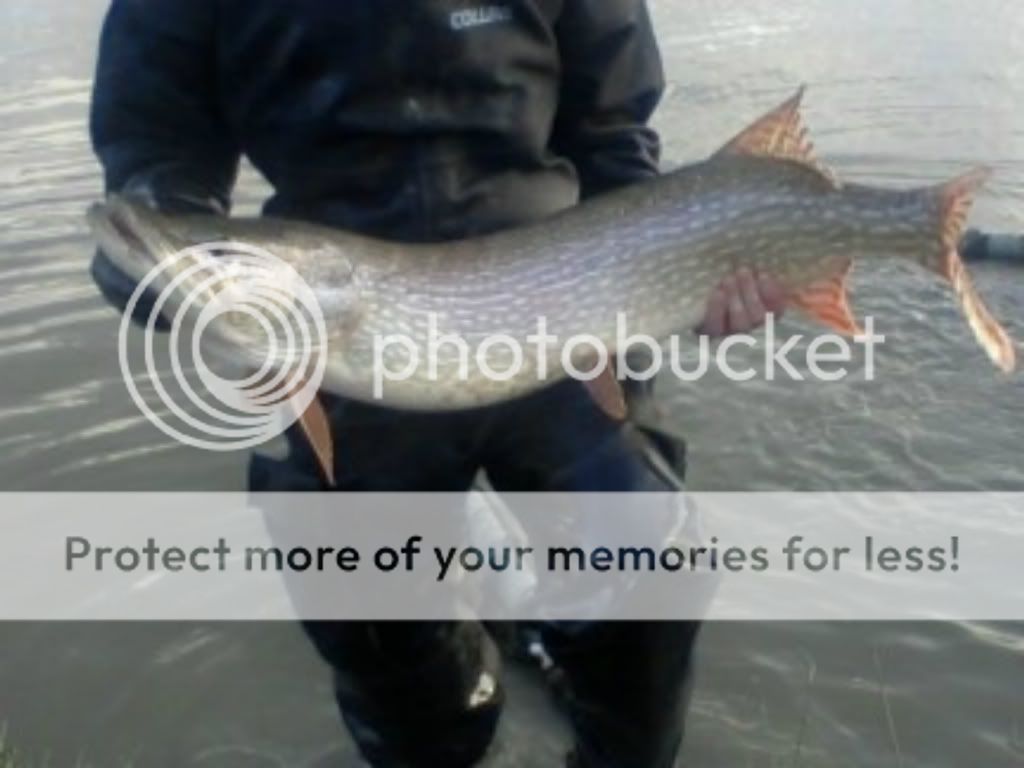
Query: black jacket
[{"x": 404, "y": 119}]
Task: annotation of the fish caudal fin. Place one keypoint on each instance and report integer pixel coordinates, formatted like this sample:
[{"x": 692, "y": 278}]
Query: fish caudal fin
[{"x": 955, "y": 199}]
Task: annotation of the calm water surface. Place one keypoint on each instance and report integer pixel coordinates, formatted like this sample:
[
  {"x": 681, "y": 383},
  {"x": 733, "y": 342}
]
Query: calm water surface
[{"x": 901, "y": 91}]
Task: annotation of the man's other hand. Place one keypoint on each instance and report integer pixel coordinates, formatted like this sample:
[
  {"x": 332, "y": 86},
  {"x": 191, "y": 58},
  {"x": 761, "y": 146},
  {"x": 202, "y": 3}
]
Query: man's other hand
[{"x": 741, "y": 302}]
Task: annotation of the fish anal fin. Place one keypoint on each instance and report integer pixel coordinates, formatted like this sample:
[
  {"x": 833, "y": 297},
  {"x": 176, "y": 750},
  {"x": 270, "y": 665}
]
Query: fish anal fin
[
  {"x": 827, "y": 301},
  {"x": 606, "y": 392},
  {"x": 779, "y": 134},
  {"x": 955, "y": 200}
]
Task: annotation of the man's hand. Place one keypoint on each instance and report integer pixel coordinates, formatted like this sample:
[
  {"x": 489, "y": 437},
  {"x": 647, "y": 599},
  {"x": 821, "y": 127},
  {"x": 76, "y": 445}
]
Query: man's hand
[{"x": 741, "y": 302}]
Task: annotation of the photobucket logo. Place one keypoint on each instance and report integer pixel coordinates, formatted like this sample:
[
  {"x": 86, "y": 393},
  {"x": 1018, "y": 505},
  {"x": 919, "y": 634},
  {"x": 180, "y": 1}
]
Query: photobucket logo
[
  {"x": 500, "y": 357},
  {"x": 224, "y": 294}
]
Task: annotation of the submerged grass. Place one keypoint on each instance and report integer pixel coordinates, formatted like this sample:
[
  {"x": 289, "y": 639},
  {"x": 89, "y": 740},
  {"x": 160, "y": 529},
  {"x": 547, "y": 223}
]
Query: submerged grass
[
  {"x": 12, "y": 758},
  {"x": 8, "y": 757}
]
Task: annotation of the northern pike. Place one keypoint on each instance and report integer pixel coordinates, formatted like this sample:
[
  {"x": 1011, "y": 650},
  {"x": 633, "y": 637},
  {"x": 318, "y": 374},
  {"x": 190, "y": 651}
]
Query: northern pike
[{"x": 650, "y": 254}]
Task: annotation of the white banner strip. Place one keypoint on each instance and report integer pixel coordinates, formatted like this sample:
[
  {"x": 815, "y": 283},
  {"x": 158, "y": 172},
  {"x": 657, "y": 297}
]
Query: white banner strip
[{"x": 744, "y": 556}]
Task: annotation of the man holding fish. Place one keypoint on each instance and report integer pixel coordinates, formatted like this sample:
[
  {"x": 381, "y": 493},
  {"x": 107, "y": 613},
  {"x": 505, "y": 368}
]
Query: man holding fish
[{"x": 429, "y": 123}]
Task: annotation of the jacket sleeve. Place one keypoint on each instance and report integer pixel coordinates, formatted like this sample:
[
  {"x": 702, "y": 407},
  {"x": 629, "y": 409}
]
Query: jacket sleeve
[
  {"x": 612, "y": 81},
  {"x": 155, "y": 121}
]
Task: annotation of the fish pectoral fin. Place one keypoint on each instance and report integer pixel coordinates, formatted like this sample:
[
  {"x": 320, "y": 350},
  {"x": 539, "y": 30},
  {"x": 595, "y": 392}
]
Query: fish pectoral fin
[
  {"x": 955, "y": 199},
  {"x": 316, "y": 426},
  {"x": 781, "y": 134},
  {"x": 606, "y": 391},
  {"x": 313, "y": 422},
  {"x": 827, "y": 302}
]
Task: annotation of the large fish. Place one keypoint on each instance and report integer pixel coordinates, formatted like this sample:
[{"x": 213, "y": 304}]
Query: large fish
[{"x": 653, "y": 252}]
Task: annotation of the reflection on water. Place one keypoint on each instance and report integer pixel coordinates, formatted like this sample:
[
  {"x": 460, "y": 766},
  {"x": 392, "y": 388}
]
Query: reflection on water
[{"x": 901, "y": 91}]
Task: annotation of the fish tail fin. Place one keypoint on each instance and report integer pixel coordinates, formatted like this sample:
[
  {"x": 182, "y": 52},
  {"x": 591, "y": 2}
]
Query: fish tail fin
[{"x": 955, "y": 198}]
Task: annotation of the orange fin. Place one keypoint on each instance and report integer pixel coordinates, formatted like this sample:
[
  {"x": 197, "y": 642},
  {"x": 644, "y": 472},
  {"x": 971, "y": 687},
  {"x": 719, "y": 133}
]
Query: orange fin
[
  {"x": 606, "y": 391},
  {"x": 315, "y": 425},
  {"x": 317, "y": 428},
  {"x": 781, "y": 134},
  {"x": 955, "y": 199},
  {"x": 827, "y": 302}
]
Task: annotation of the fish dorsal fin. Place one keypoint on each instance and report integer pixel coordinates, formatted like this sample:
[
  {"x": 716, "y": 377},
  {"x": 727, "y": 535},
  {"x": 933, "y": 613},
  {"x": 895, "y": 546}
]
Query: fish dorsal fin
[
  {"x": 827, "y": 302},
  {"x": 781, "y": 134}
]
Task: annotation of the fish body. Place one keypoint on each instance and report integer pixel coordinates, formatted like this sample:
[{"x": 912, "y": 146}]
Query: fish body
[{"x": 646, "y": 258}]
